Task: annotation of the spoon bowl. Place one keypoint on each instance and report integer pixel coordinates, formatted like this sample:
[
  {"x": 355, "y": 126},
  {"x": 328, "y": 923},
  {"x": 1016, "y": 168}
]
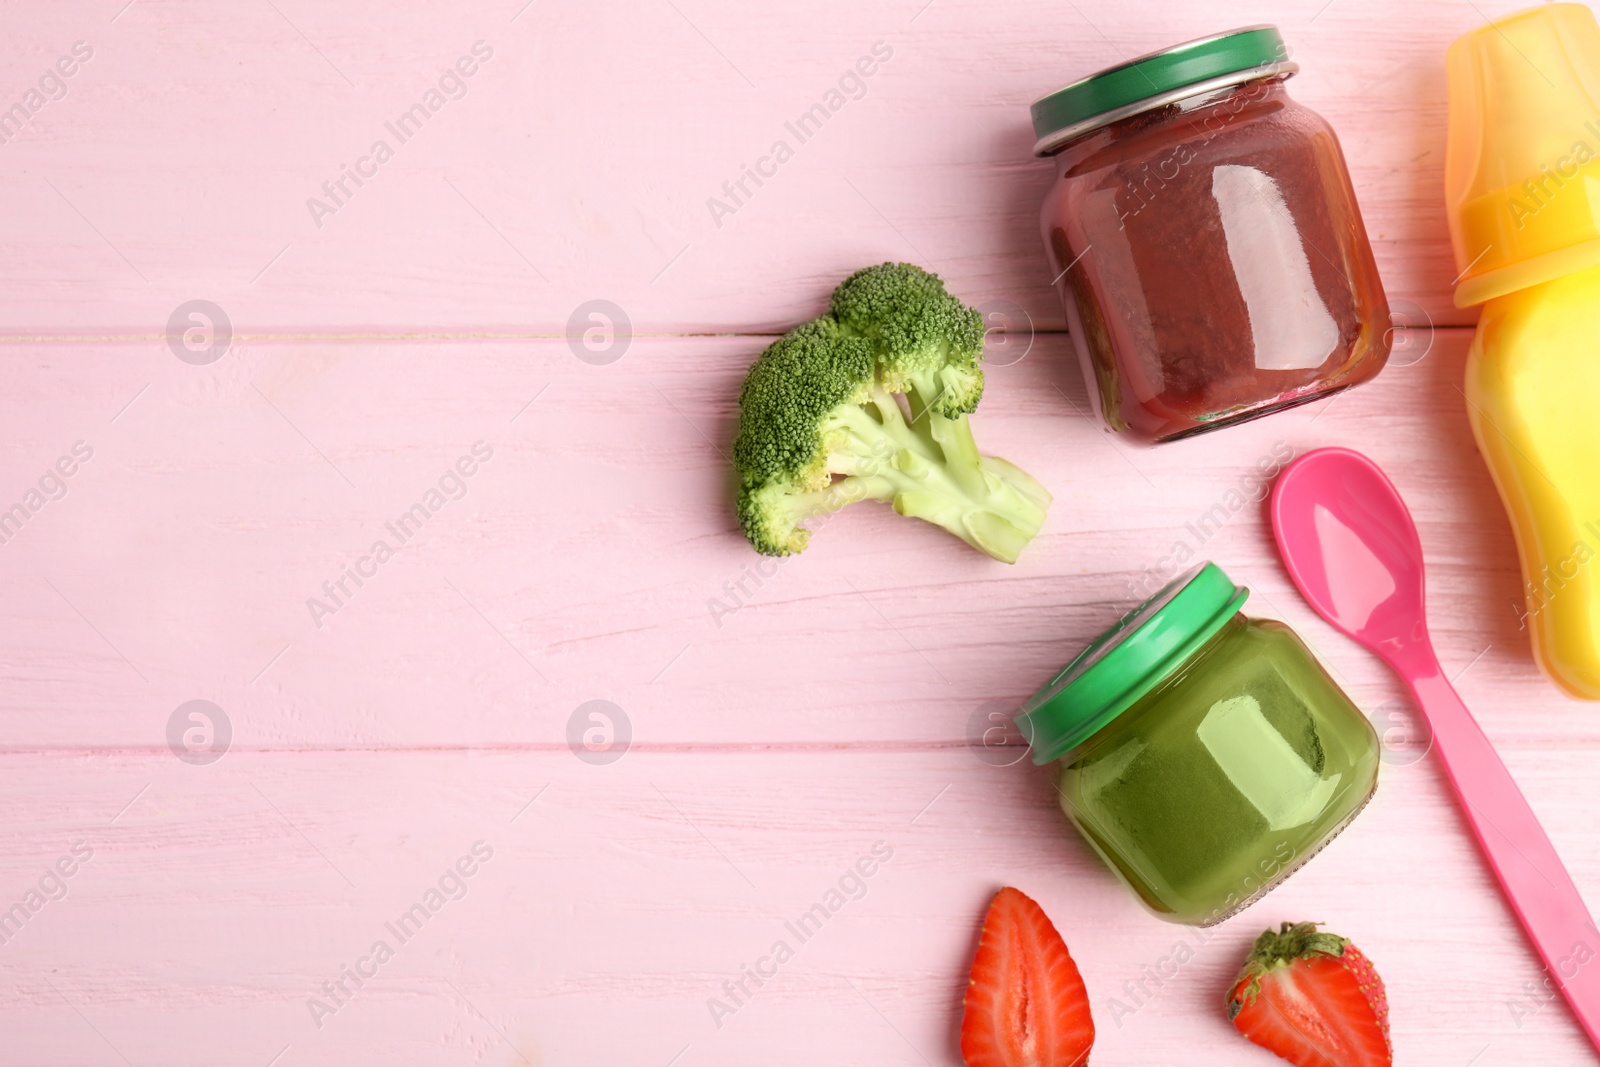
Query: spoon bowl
[{"x": 1351, "y": 548}]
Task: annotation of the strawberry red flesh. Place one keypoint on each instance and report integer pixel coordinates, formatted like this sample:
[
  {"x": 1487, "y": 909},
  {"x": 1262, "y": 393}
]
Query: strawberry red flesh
[
  {"x": 1025, "y": 1005},
  {"x": 1312, "y": 998}
]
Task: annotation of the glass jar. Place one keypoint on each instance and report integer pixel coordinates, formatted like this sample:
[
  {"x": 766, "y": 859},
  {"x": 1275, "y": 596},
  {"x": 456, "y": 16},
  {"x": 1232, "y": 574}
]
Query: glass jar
[
  {"x": 1204, "y": 755},
  {"x": 1205, "y": 240}
]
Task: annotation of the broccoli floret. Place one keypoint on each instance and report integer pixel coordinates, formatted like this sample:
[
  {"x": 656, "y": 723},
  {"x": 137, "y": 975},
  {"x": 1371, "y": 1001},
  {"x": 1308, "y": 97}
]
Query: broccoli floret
[
  {"x": 929, "y": 344},
  {"x": 821, "y": 424}
]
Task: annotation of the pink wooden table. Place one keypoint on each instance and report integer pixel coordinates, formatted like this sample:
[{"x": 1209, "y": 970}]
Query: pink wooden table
[{"x": 402, "y": 339}]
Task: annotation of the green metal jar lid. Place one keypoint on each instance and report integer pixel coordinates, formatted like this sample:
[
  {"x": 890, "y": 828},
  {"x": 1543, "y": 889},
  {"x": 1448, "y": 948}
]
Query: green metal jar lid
[
  {"x": 1128, "y": 660},
  {"x": 1156, "y": 79}
]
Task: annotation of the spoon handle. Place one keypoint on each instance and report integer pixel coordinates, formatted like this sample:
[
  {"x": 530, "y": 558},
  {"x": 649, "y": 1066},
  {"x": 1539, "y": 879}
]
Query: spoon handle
[{"x": 1535, "y": 881}]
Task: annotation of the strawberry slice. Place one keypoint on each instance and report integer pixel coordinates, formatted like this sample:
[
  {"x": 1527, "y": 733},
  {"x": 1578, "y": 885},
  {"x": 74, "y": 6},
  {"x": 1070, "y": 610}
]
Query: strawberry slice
[
  {"x": 1025, "y": 1004},
  {"x": 1312, "y": 998}
]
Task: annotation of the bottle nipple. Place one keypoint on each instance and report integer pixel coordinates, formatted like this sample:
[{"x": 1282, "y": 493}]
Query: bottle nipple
[{"x": 1522, "y": 164}]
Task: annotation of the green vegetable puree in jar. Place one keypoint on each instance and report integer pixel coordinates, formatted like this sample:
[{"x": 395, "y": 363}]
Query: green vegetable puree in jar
[{"x": 1204, "y": 755}]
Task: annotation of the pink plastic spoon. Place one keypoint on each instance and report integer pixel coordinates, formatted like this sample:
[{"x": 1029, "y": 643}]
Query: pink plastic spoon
[{"x": 1352, "y": 549}]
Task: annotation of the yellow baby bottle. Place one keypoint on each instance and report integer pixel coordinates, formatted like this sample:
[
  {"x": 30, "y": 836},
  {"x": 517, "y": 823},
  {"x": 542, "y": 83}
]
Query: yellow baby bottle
[{"x": 1522, "y": 185}]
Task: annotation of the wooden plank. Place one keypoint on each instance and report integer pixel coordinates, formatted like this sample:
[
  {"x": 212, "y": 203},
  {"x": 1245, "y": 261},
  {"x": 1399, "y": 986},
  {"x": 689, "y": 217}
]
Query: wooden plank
[
  {"x": 581, "y": 158},
  {"x": 616, "y": 904},
  {"x": 594, "y": 556}
]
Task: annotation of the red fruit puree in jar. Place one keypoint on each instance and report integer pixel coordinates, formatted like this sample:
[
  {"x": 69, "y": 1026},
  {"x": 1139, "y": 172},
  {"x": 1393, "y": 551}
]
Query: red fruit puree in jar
[{"x": 1206, "y": 240}]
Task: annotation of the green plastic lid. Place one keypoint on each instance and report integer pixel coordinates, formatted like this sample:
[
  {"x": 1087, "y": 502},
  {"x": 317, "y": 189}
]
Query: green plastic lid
[
  {"x": 1128, "y": 660},
  {"x": 1152, "y": 80}
]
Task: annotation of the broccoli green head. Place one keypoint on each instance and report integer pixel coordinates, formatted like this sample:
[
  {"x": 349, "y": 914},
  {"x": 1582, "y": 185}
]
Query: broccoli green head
[
  {"x": 929, "y": 343},
  {"x": 794, "y": 411},
  {"x": 821, "y": 425}
]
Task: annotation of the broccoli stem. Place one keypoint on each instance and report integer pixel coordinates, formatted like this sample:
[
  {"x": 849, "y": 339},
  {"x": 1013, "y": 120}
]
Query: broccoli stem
[{"x": 929, "y": 468}]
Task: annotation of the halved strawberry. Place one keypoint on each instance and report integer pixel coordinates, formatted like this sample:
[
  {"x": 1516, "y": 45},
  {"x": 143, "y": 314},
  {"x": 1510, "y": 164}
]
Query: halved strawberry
[
  {"x": 1025, "y": 1004},
  {"x": 1312, "y": 998}
]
